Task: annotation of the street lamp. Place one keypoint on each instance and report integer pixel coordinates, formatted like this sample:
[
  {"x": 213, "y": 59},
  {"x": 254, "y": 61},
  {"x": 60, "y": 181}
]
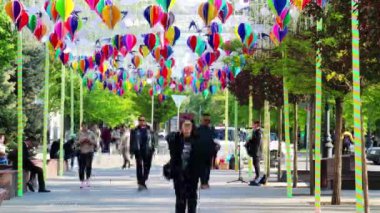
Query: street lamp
[{"x": 328, "y": 146}]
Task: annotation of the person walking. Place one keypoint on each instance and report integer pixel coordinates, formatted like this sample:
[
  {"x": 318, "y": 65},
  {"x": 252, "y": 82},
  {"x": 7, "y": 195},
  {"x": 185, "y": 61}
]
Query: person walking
[
  {"x": 208, "y": 146},
  {"x": 142, "y": 147},
  {"x": 254, "y": 150},
  {"x": 186, "y": 164},
  {"x": 106, "y": 139},
  {"x": 124, "y": 146},
  {"x": 87, "y": 145}
]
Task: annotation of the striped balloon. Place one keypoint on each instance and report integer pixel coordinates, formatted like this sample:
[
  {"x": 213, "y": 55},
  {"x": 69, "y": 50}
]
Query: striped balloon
[{"x": 207, "y": 12}]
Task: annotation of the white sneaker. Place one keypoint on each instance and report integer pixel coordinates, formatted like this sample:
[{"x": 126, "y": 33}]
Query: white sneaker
[
  {"x": 88, "y": 183},
  {"x": 82, "y": 184}
]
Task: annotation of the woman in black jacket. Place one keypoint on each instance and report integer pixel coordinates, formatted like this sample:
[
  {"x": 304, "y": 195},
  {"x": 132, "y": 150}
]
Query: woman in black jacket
[{"x": 185, "y": 166}]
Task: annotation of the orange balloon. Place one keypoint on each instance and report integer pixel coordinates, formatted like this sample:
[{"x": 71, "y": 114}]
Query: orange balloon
[{"x": 111, "y": 15}]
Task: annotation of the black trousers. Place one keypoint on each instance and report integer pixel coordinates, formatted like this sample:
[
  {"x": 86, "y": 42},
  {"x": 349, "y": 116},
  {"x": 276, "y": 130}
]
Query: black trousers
[
  {"x": 143, "y": 164},
  {"x": 85, "y": 165},
  {"x": 186, "y": 189},
  {"x": 35, "y": 170},
  {"x": 256, "y": 164},
  {"x": 205, "y": 176}
]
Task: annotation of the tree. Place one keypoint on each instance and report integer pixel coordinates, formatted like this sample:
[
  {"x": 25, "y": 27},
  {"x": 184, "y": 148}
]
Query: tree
[
  {"x": 7, "y": 70},
  {"x": 163, "y": 111}
]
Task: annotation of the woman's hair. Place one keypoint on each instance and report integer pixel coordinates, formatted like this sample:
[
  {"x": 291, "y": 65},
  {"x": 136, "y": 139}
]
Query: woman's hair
[{"x": 194, "y": 127}]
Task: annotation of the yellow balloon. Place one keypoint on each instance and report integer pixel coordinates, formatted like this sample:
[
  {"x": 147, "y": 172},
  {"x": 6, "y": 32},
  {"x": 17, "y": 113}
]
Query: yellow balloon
[{"x": 75, "y": 65}]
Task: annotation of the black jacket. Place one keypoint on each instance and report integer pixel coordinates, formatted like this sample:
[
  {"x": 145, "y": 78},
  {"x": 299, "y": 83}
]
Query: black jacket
[
  {"x": 140, "y": 147},
  {"x": 254, "y": 144},
  {"x": 176, "y": 145},
  {"x": 206, "y": 137}
]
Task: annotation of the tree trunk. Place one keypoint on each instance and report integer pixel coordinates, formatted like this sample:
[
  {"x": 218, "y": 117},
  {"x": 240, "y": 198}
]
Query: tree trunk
[
  {"x": 311, "y": 145},
  {"x": 279, "y": 153},
  {"x": 364, "y": 170},
  {"x": 338, "y": 152},
  {"x": 295, "y": 146}
]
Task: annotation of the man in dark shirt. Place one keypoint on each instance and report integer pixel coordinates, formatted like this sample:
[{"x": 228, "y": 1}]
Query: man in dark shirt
[
  {"x": 254, "y": 147},
  {"x": 206, "y": 137},
  {"x": 142, "y": 147}
]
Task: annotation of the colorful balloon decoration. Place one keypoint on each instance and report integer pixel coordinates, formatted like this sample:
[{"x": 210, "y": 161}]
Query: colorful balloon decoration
[
  {"x": 172, "y": 35},
  {"x": 15, "y": 10},
  {"x": 277, "y": 6},
  {"x": 167, "y": 20},
  {"x": 37, "y": 27},
  {"x": 277, "y": 35},
  {"x": 225, "y": 12},
  {"x": 281, "y": 9},
  {"x": 136, "y": 61},
  {"x": 73, "y": 25},
  {"x": 166, "y": 4},
  {"x": 111, "y": 15},
  {"x": 215, "y": 27},
  {"x": 144, "y": 50},
  {"x": 50, "y": 8},
  {"x": 92, "y": 3},
  {"x": 151, "y": 41},
  {"x": 197, "y": 44},
  {"x": 64, "y": 8},
  {"x": 219, "y": 4},
  {"x": 153, "y": 14},
  {"x": 207, "y": 12},
  {"x": 300, "y": 4},
  {"x": 214, "y": 40}
]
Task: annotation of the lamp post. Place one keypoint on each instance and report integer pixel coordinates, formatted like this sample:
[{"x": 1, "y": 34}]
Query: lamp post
[{"x": 328, "y": 146}]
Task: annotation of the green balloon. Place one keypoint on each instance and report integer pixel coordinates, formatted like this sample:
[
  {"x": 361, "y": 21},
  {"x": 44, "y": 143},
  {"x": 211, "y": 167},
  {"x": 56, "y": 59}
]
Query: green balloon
[
  {"x": 57, "y": 53},
  {"x": 100, "y": 6},
  {"x": 169, "y": 63},
  {"x": 32, "y": 23},
  {"x": 60, "y": 7},
  {"x": 287, "y": 20},
  {"x": 201, "y": 46},
  {"x": 205, "y": 93},
  {"x": 163, "y": 4}
]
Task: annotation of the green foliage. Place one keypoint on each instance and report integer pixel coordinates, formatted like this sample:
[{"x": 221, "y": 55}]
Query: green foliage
[
  {"x": 7, "y": 71},
  {"x": 142, "y": 105}
]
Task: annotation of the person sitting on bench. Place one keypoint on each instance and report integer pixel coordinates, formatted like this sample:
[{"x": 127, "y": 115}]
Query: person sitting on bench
[
  {"x": 3, "y": 154},
  {"x": 34, "y": 170}
]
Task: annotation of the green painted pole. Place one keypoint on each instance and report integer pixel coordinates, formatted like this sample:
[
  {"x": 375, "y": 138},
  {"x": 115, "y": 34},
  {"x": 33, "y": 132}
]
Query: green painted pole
[
  {"x": 357, "y": 107},
  {"x": 250, "y": 121},
  {"x": 318, "y": 123},
  {"x": 287, "y": 143},
  {"x": 62, "y": 127},
  {"x": 20, "y": 124},
  {"x": 72, "y": 125},
  {"x": 236, "y": 136},
  {"x": 46, "y": 110}
]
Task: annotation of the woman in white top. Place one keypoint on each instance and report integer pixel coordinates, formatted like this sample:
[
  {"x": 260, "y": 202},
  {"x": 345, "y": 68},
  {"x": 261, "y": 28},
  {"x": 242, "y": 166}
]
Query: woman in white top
[{"x": 124, "y": 146}]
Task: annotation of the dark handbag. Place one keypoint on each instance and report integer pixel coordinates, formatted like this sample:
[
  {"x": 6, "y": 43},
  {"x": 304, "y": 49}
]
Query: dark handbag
[
  {"x": 249, "y": 148},
  {"x": 167, "y": 171}
]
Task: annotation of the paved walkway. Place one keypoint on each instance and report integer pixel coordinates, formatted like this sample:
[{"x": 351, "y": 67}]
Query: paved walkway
[{"x": 114, "y": 190}]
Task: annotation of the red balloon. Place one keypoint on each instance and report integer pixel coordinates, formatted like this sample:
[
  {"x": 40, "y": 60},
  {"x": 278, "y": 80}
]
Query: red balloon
[
  {"x": 214, "y": 40},
  {"x": 22, "y": 20},
  {"x": 54, "y": 40},
  {"x": 150, "y": 40},
  {"x": 192, "y": 42},
  {"x": 153, "y": 14},
  {"x": 167, "y": 20}
]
